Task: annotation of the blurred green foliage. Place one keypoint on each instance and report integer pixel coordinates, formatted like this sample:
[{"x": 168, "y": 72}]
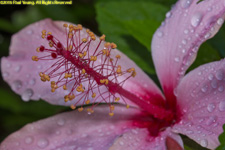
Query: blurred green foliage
[
  {"x": 222, "y": 140},
  {"x": 128, "y": 23}
]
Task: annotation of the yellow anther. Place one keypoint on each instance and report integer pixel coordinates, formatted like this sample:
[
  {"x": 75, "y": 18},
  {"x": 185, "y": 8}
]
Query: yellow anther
[
  {"x": 65, "y": 25},
  {"x": 72, "y": 106},
  {"x": 70, "y": 47},
  {"x": 50, "y": 44},
  {"x": 41, "y": 74},
  {"x": 106, "y": 81},
  {"x": 37, "y": 49},
  {"x": 90, "y": 110},
  {"x": 71, "y": 97},
  {"x": 80, "y": 88},
  {"x": 118, "y": 70},
  {"x": 43, "y": 79},
  {"x": 91, "y": 34},
  {"x": 111, "y": 114},
  {"x": 130, "y": 70},
  {"x": 113, "y": 45},
  {"x": 85, "y": 53},
  {"x": 93, "y": 95},
  {"x": 69, "y": 75},
  {"x": 52, "y": 90},
  {"x": 111, "y": 60},
  {"x": 107, "y": 52},
  {"x": 112, "y": 107},
  {"x": 87, "y": 30},
  {"x": 66, "y": 75},
  {"x": 75, "y": 28},
  {"x": 80, "y": 55},
  {"x": 87, "y": 101},
  {"x": 104, "y": 51},
  {"x": 80, "y": 109},
  {"x": 70, "y": 26},
  {"x": 66, "y": 98},
  {"x": 64, "y": 87},
  {"x": 79, "y": 26},
  {"x": 102, "y": 81},
  {"x": 70, "y": 35},
  {"x": 43, "y": 36},
  {"x": 93, "y": 58},
  {"x": 35, "y": 58},
  {"x": 83, "y": 71},
  {"x": 118, "y": 56},
  {"x": 107, "y": 44},
  {"x": 49, "y": 33},
  {"x": 128, "y": 106},
  {"x": 93, "y": 37},
  {"x": 84, "y": 40},
  {"x": 117, "y": 99},
  {"x": 47, "y": 77},
  {"x": 102, "y": 37},
  {"x": 43, "y": 31},
  {"x": 134, "y": 74},
  {"x": 53, "y": 82}
]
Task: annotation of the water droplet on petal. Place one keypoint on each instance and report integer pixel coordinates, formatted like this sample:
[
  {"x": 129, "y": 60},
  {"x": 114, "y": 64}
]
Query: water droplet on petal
[
  {"x": 220, "y": 88},
  {"x": 17, "y": 68},
  {"x": 204, "y": 89},
  {"x": 211, "y": 120},
  {"x": 121, "y": 143},
  {"x": 16, "y": 85},
  {"x": 186, "y": 31},
  {"x": 43, "y": 143},
  {"x": 28, "y": 140},
  {"x": 29, "y": 32},
  {"x": 186, "y": 3},
  {"x": 210, "y": 77},
  {"x": 204, "y": 143},
  {"x": 168, "y": 14},
  {"x": 220, "y": 21},
  {"x": 219, "y": 75},
  {"x": 5, "y": 74},
  {"x": 214, "y": 83},
  {"x": 176, "y": 59},
  {"x": 61, "y": 122},
  {"x": 32, "y": 81},
  {"x": 159, "y": 33},
  {"x": 26, "y": 95},
  {"x": 211, "y": 107},
  {"x": 222, "y": 105},
  {"x": 196, "y": 19}
]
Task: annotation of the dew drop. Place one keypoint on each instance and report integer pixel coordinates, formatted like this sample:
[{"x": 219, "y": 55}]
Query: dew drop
[
  {"x": 220, "y": 88},
  {"x": 16, "y": 85},
  {"x": 222, "y": 106},
  {"x": 61, "y": 122},
  {"x": 196, "y": 19},
  {"x": 220, "y": 21},
  {"x": 214, "y": 83},
  {"x": 210, "y": 77},
  {"x": 176, "y": 59},
  {"x": 204, "y": 143},
  {"x": 28, "y": 140},
  {"x": 17, "y": 68},
  {"x": 43, "y": 143},
  {"x": 29, "y": 32},
  {"x": 159, "y": 33},
  {"x": 186, "y": 3},
  {"x": 168, "y": 14},
  {"x": 219, "y": 75},
  {"x": 204, "y": 89},
  {"x": 5, "y": 74},
  {"x": 26, "y": 95},
  {"x": 184, "y": 42},
  {"x": 32, "y": 81},
  {"x": 186, "y": 31},
  {"x": 121, "y": 143},
  {"x": 211, "y": 120},
  {"x": 211, "y": 107}
]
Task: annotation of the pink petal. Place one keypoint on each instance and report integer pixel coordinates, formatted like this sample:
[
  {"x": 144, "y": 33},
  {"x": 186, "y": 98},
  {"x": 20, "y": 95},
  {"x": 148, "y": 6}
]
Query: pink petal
[
  {"x": 201, "y": 99},
  {"x": 176, "y": 42},
  {"x": 21, "y": 73},
  {"x": 74, "y": 130}
]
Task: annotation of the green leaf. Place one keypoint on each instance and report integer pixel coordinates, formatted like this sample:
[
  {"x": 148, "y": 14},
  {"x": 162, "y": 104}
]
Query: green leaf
[
  {"x": 7, "y": 26},
  {"x": 129, "y": 31},
  {"x": 222, "y": 140}
]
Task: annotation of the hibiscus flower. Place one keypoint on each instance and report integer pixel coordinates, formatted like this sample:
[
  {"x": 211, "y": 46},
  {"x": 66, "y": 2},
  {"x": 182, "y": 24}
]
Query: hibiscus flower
[{"x": 192, "y": 104}]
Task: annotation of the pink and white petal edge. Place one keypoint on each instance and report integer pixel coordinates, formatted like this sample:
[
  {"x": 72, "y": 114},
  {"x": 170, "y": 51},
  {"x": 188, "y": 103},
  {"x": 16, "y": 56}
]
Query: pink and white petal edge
[
  {"x": 176, "y": 42},
  {"x": 201, "y": 99},
  {"x": 21, "y": 73},
  {"x": 72, "y": 130}
]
